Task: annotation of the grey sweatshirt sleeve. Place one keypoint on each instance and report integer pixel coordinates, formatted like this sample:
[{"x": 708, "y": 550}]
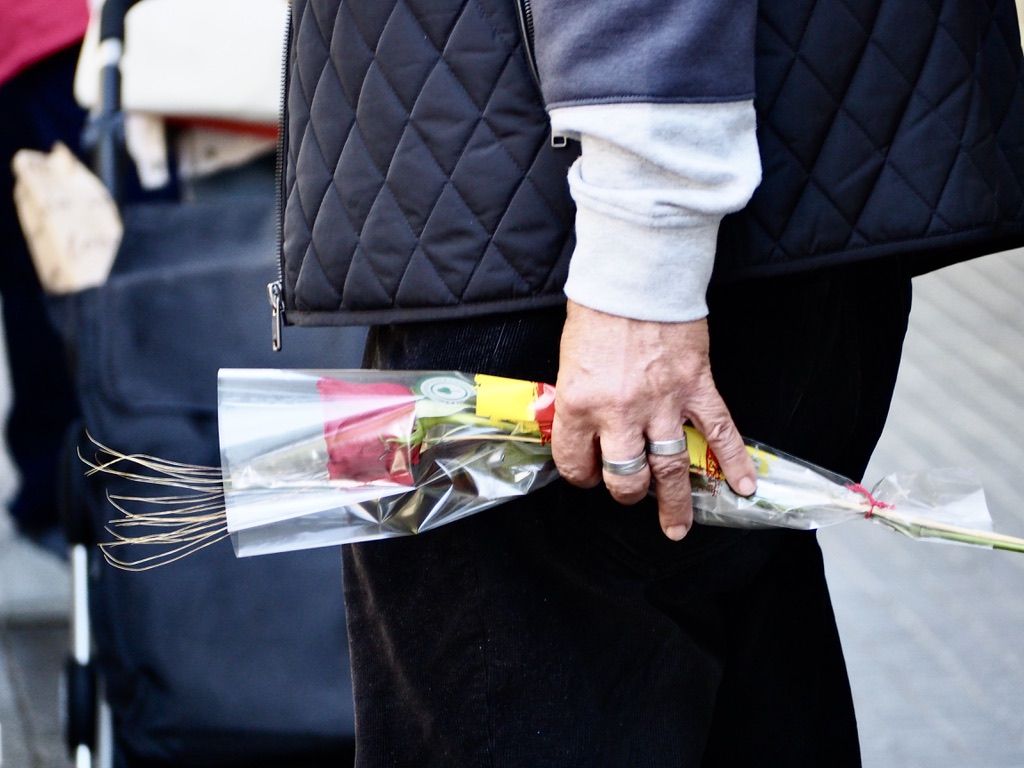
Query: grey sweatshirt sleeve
[
  {"x": 651, "y": 187},
  {"x": 650, "y": 51}
]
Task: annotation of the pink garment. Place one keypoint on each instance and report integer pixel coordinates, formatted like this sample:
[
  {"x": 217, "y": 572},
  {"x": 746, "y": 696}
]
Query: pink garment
[{"x": 31, "y": 30}]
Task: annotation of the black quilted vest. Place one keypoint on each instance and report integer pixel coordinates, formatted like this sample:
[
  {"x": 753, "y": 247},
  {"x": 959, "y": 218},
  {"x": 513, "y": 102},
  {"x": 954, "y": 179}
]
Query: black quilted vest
[{"x": 419, "y": 179}]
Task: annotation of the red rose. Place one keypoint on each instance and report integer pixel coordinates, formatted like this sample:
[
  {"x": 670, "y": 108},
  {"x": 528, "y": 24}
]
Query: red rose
[
  {"x": 544, "y": 410},
  {"x": 373, "y": 442}
]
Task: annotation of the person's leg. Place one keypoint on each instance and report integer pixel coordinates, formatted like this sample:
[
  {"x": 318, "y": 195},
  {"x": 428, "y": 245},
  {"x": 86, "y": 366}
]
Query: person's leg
[
  {"x": 808, "y": 363},
  {"x": 524, "y": 636},
  {"x": 38, "y": 110},
  {"x": 784, "y": 698}
]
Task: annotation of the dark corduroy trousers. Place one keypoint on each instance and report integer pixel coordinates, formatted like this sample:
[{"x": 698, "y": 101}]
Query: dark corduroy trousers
[{"x": 565, "y": 630}]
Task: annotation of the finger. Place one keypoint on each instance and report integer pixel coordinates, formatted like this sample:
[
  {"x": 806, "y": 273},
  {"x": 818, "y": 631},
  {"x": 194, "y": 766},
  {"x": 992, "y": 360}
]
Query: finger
[
  {"x": 712, "y": 418},
  {"x": 619, "y": 444},
  {"x": 574, "y": 449},
  {"x": 671, "y": 482}
]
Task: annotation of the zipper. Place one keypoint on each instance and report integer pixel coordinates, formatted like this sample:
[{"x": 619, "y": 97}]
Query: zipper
[
  {"x": 526, "y": 28},
  {"x": 275, "y": 289},
  {"x": 276, "y": 314},
  {"x": 525, "y": 10}
]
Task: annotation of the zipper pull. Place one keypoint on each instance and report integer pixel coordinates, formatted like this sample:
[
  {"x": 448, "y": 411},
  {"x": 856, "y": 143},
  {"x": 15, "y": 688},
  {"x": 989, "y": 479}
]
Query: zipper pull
[
  {"x": 276, "y": 314},
  {"x": 559, "y": 142}
]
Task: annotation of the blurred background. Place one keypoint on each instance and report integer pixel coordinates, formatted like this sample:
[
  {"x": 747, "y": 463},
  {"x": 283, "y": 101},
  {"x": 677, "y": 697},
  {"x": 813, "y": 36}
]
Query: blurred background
[
  {"x": 932, "y": 632},
  {"x": 120, "y": 304}
]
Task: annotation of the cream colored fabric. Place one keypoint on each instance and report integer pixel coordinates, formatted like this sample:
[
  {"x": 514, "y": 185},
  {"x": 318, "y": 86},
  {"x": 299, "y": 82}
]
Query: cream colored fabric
[
  {"x": 196, "y": 58},
  {"x": 1020, "y": 19},
  {"x": 71, "y": 224},
  {"x": 145, "y": 138},
  {"x": 203, "y": 151},
  {"x": 200, "y": 151}
]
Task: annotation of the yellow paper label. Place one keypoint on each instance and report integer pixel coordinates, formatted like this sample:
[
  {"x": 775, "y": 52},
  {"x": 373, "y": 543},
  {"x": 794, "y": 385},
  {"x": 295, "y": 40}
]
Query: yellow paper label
[
  {"x": 504, "y": 399},
  {"x": 703, "y": 460}
]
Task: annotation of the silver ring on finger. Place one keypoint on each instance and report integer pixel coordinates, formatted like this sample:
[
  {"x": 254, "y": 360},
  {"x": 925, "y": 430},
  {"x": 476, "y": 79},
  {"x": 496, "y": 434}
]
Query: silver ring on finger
[
  {"x": 627, "y": 467},
  {"x": 667, "y": 447}
]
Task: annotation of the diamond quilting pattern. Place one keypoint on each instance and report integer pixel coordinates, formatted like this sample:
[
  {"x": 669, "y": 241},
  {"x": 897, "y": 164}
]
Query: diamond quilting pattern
[
  {"x": 415, "y": 157},
  {"x": 890, "y": 137},
  {"x": 418, "y": 171}
]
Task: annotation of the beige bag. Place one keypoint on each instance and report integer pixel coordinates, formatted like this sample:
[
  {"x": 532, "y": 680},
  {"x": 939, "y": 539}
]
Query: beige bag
[
  {"x": 218, "y": 59},
  {"x": 71, "y": 224}
]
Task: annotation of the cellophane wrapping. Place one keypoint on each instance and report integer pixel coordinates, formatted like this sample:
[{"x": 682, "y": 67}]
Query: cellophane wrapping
[
  {"x": 316, "y": 458},
  {"x": 793, "y": 493}
]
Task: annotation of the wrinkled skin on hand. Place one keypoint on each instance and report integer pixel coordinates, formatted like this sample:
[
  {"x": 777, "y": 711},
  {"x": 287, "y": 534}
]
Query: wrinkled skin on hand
[{"x": 622, "y": 382}]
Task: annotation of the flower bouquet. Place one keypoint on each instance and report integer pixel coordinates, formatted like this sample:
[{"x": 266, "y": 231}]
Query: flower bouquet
[{"x": 318, "y": 458}]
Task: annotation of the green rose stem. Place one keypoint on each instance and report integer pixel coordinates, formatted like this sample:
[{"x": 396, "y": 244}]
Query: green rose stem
[
  {"x": 420, "y": 432},
  {"x": 917, "y": 528},
  {"x": 920, "y": 529}
]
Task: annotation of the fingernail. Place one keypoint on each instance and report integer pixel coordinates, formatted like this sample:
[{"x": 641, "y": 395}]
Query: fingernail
[
  {"x": 676, "y": 532},
  {"x": 746, "y": 486}
]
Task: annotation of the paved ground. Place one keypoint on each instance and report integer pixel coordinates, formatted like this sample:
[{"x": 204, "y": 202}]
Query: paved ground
[
  {"x": 30, "y": 658},
  {"x": 34, "y": 594},
  {"x": 933, "y": 633}
]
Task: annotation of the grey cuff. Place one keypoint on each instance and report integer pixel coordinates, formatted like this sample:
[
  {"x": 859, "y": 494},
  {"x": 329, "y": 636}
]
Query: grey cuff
[
  {"x": 616, "y": 261},
  {"x": 652, "y": 185}
]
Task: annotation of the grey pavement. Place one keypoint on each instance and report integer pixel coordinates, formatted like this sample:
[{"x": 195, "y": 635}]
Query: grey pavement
[
  {"x": 33, "y": 643},
  {"x": 933, "y": 633},
  {"x": 30, "y": 661},
  {"x": 34, "y": 595}
]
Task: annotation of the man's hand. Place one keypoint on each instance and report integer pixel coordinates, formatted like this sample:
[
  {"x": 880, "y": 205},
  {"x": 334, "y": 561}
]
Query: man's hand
[{"x": 622, "y": 382}]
